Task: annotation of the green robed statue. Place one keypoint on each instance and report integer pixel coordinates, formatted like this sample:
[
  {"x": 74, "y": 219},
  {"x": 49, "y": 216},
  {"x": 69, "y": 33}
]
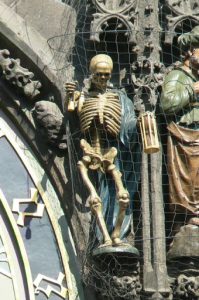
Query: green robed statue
[{"x": 180, "y": 100}]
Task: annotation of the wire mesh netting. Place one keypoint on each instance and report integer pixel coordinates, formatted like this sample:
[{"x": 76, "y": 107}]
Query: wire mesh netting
[{"x": 177, "y": 117}]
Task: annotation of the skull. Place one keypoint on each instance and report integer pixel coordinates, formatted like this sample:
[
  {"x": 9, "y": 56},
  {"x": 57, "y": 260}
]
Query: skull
[
  {"x": 101, "y": 67},
  {"x": 101, "y": 75}
]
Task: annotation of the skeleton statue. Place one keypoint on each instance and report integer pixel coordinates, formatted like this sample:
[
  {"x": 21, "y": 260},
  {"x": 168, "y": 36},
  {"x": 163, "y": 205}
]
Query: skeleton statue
[{"x": 100, "y": 113}]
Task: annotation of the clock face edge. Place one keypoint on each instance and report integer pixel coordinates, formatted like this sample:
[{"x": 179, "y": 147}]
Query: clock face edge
[{"x": 50, "y": 216}]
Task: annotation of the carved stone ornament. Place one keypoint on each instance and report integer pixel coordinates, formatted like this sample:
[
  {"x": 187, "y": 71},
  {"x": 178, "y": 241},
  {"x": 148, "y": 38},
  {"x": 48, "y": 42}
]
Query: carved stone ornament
[
  {"x": 185, "y": 243},
  {"x": 50, "y": 123},
  {"x": 187, "y": 287},
  {"x": 147, "y": 70},
  {"x": 123, "y": 11},
  {"x": 113, "y": 6},
  {"x": 17, "y": 75},
  {"x": 127, "y": 287},
  {"x": 182, "y": 7},
  {"x": 115, "y": 280},
  {"x": 181, "y": 10},
  {"x": 146, "y": 85}
]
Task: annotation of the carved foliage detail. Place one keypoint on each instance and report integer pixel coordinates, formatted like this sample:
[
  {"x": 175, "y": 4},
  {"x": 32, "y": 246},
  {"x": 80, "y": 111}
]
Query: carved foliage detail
[
  {"x": 122, "y": 11},
  {"x": 114, "y": 280},
  {"x": 127, "y": 287},
  {"x": 114, "y": 6},
  {"x": 187, "y": 287},
  {"x": 181, "y": 10},
  {"x": 17, "y": 75},
  {"x": 184, "y": 7},
  {"x": 147, "y": 84}
]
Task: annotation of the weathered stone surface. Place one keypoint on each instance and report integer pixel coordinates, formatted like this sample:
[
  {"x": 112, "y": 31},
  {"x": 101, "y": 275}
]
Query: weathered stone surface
[
  {"x": 50, "y": 123},
  {"x": 187, "y": 287},
  {"x": 17, "y": 75},
  {"x": 25, "y": 37},
  {"x": 45, "y": 36},
  {"x": 48, "y": 17},
  {"x": 185, "y": 243}
]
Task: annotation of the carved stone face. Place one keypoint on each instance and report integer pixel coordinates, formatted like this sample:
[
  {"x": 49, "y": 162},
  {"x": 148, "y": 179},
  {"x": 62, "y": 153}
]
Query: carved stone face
[
  {"x": 194, "y": 59},
  {"x": 101, "y": 75}
]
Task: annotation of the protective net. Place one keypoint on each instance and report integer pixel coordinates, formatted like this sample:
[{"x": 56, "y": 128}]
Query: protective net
[{"x": 168, "y": 179}]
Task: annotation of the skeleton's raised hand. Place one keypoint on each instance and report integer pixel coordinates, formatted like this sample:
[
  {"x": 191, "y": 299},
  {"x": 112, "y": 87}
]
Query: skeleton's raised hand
[
  {"x": 70, "y": 87},
  {"x": 71, "y": 95}
]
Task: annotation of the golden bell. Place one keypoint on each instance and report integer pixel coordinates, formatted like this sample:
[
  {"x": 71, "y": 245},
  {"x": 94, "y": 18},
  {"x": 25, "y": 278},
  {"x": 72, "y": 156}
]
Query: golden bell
[{"x": 148, "y": 129}]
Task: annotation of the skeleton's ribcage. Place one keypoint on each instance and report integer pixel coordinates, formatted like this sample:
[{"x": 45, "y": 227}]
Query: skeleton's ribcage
[{"x": 104, "y": 110}]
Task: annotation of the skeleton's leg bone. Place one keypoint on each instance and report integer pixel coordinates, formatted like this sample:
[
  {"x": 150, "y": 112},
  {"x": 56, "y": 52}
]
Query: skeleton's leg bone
[
  {"x": 123, "y": 198},
  {"x": 95, "y": 201}
]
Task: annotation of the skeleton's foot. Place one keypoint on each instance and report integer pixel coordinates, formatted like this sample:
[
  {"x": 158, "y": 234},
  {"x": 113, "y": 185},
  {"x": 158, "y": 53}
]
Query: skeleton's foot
[
  {"x": 194, "y": 221},
  {"x": 118, "y": 242},
  {"x": 106, "y": 244},
  {"x": 123, "y": 198}
]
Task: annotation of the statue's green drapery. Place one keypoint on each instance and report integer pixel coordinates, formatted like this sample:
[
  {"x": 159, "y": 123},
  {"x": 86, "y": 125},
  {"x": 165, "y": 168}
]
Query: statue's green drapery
[{"x": 180, "y": 102}]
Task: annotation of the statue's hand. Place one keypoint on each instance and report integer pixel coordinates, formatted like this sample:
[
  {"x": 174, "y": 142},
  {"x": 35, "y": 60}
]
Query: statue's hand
[
  {"x": 71, "y": 95},
  {"x": 70, "y": 87},
  {"x": 196, "y": 87}
]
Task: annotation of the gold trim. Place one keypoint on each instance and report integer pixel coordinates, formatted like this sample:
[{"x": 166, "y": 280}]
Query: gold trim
[
  {"x": 49, "y": 289},
  {"x": 4, "y": 250},
  {"x": 59, "y": 239},
  {"x": 21, "y": 247},
  {"x": 33, "y": 199},
  {"x": 10, "y": 263},
  {"x": 22, "y": 152}
]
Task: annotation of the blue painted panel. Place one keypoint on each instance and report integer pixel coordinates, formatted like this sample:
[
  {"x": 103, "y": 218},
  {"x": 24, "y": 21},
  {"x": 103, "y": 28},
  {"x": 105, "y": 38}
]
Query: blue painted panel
[{"x": 37, "y": 233}]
